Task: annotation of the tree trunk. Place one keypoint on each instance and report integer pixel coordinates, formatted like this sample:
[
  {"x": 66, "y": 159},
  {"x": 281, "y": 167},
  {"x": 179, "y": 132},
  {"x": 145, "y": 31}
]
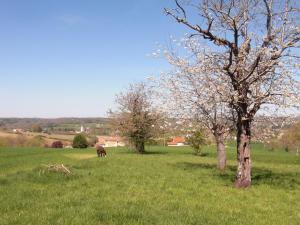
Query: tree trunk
[
  {"x": 243, "y": 175},
  {"x": 221, "y": 151},
  {"x": 140, "y": 146}
]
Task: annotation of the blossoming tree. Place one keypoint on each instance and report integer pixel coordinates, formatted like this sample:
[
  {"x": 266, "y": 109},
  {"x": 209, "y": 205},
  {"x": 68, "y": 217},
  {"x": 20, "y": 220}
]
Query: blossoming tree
[
  {"x": 194, "y": 90},
  {"x": 253, "y": 43},
  {"x": 136, "y": 118}
]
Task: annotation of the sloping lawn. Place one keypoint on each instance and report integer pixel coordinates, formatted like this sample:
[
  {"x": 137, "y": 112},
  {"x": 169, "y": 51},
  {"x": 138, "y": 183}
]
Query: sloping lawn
[{"x": 166, "y": 186}]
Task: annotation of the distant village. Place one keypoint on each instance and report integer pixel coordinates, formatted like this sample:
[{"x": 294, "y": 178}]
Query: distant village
[{"x": 103, "y": 140}]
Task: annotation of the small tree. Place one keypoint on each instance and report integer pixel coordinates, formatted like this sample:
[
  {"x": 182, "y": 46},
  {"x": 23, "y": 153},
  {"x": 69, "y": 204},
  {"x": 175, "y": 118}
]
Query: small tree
[
  {"x": 36, "y": 128},
  {"x": 80, "y": 141},
  {"x": 197, "y": 140},
  {"x": 136, "y": 118},
  {"x": 291, "y": 138}
]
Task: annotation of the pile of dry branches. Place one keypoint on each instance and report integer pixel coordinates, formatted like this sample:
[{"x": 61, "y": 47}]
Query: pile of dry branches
[{"x": 59, "y": 168}]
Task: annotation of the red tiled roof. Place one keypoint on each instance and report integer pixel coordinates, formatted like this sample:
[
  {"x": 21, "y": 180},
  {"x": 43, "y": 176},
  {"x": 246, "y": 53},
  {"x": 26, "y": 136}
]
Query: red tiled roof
[
  {"x": 177, "y": 140},
  {"x": 104, "y": 139}
]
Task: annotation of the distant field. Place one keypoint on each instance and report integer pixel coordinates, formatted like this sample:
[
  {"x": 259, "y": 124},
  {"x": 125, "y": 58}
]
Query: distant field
[
  {"x": 6, "y": 134},
  {"x": 49, "y": 138},
  {"x": 167, "y": 186}
]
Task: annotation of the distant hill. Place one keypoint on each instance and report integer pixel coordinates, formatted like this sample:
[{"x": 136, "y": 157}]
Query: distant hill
[
  {"x": 263, "y": 127},
  {"x": 59, "y": 124}
]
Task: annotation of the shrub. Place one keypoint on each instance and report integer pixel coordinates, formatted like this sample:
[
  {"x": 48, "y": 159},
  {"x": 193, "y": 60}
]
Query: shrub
[
  {"x": 80, "y": 141},
  {"x": 197, "y": 140},
  {"x": 57, "y": 144}
]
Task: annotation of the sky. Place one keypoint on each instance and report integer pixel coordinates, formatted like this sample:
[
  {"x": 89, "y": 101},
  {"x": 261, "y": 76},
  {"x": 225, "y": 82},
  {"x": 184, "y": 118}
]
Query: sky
[{"x": 69, "y": 58}]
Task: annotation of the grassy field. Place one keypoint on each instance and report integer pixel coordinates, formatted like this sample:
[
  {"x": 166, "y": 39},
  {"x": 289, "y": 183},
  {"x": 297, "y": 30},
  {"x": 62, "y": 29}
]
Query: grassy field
[
  {"x": 28, "y": 139},
  {"x": 166, "y": 186}
]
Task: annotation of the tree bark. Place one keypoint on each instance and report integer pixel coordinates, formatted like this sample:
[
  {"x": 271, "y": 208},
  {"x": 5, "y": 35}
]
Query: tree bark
[
  {"x": 221, "y": 151},
  {"x": 140, "y": 146},
  {"x": 243, "y": 175}
]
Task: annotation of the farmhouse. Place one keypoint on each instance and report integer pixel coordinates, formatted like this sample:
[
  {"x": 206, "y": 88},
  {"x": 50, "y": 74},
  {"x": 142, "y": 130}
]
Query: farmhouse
[
  {"x": 110, "y": 141},
  {"x": 177, "y": 141}
]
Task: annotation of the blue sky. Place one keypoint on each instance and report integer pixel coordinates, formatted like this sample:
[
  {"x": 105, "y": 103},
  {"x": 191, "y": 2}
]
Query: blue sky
[{"x": 68, "y": 58}]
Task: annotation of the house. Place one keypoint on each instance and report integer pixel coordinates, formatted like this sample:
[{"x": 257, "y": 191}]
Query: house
[
  {"x": 177, "y": 141},
  {"x": 110, "y": 141},
  {"x": 18, "y": 131}
]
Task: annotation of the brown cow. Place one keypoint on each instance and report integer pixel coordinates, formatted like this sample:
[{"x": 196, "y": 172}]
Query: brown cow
[{"x": 100, "y": 151}]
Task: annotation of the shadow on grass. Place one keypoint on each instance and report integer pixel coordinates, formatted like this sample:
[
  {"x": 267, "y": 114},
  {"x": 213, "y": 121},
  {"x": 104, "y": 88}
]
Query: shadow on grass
[
  {"x": 204, "y": 154},
  {"x": 155, "y": 153},
  {"x": 145, "y": 153},
  {"x": 260, "y": 176},
  {"x": 208, "y": 154}
]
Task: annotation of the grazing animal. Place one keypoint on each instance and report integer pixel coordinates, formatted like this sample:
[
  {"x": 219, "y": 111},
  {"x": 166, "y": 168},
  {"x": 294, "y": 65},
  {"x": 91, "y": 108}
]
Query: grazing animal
[{"x": 100, "y": 151}]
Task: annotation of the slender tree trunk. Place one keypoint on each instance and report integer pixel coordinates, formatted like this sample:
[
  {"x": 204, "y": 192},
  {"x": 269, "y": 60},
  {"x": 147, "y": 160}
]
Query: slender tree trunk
[
  {"x": 140, "y": 146},
  {"x": 243, "y": 175},
  {"x": 221, "y": 150}
]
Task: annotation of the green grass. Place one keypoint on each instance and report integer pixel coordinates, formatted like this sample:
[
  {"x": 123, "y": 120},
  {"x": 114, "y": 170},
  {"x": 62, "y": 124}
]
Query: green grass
[{"x": 166, "y": 186}]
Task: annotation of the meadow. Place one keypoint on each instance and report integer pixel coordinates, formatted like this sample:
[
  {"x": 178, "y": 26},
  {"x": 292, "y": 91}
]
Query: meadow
[{"x": 165, "y": 186}]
